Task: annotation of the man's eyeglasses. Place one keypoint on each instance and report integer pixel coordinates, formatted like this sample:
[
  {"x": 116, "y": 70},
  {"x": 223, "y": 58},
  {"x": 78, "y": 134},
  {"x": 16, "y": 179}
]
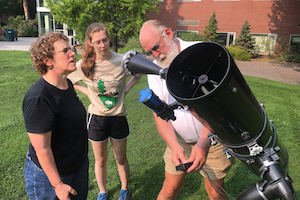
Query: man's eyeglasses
[
  {"x": 156, "y": 47},
  {"x": 68, "y": 50},
  {"x": 104, "y": 41}
]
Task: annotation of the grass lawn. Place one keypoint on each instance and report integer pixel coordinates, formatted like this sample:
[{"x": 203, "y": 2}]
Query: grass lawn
[{"x": 145, "y": 147}]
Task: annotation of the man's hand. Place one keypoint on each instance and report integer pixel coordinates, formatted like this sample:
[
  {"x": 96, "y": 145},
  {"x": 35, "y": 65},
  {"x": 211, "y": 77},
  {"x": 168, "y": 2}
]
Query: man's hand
[
  {"x": 199, "y": 154},
  {"x": 63, "y": 190},
  {"x": 178, "y": 156}
]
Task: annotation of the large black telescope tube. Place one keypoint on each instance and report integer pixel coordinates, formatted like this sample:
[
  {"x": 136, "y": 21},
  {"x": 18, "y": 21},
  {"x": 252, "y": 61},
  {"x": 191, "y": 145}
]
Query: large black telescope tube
[{"x": 205, "y": 78}]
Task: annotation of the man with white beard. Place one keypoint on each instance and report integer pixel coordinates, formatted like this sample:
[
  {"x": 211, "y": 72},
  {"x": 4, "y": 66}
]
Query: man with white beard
[{"x": 186, "y": 137}]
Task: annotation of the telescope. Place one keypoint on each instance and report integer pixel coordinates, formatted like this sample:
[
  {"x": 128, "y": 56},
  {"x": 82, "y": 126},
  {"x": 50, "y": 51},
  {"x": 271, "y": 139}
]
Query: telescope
[{"x": 205, "y": 80}]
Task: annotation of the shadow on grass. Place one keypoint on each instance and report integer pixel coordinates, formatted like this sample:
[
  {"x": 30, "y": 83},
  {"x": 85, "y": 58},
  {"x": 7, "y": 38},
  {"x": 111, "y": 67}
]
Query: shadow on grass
[{"x": 147, "y": 185}]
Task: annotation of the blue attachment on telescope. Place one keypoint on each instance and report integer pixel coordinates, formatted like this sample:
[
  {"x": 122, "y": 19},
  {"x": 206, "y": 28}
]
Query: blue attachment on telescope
[
  {"x": 146, "y": 95},
  {"x": 151, "y": 100}
]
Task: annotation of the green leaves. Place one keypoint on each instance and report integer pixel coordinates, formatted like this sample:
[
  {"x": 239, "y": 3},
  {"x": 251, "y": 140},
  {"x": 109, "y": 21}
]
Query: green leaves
[{"x": 123, "y": 18}]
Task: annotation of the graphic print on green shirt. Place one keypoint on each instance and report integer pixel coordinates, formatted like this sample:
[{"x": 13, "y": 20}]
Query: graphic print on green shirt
[{"x": 108, "y": 98}]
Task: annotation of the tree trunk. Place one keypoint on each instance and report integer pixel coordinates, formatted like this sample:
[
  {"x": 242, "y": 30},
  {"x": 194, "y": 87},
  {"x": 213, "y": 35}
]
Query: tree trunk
[
  {"x": 26, "y": 10},
  {"x": 115, "y": 40},
  {"x": 115, "y": 43}
]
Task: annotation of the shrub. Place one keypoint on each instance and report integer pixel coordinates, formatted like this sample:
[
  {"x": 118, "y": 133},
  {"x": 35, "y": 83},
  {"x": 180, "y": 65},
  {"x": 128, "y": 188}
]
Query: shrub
[
  {"x": 3, "y": 23},
  {"x": 28, "y": 28},
  {"x": 191, "y": 36},
  {"x": 2, "y": 31},
  {"x": 282, "y": 46},
  {"x": 293, "y": 54},
  {"x": 132, "y": 43},
  {"x": 24, "y": 28},
  {"x": 287, "y": 53},
  {"x": 291, "y": 58},
  {"x": 238, "y": 54},
  {"x": 2, "y": 38},
  {"x": 13, "y": 22}
]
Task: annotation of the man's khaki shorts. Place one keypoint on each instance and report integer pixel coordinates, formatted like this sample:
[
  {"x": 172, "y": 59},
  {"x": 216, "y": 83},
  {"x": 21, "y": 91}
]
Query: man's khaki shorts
[{"x": 216, "y": 166}]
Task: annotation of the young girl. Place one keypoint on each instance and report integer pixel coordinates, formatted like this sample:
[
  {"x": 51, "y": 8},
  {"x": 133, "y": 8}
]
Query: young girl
[{"x": 102, "y": 71}]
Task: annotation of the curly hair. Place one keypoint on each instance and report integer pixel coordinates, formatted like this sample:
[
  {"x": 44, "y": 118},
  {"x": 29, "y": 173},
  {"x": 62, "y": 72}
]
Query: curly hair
[
  {"x": 89, "y": 54},
  {"x": 43, "y": 49}
]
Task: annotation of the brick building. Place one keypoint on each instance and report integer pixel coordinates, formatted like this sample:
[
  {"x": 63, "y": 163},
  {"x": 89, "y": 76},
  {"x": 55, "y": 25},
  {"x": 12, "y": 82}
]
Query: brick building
[{"x": 272, "y": 21}]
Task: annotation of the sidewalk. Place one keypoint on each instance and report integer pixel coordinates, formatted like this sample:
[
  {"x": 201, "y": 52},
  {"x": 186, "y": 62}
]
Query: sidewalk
[
  {"x": 282, "y": 72},
  {"x": 22, "y": 44}
]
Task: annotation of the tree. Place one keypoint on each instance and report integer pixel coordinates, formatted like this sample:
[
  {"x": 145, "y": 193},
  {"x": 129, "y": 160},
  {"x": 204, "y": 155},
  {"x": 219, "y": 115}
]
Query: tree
[
  {"x": 11, "y": 7},
  {"x": 26, "y": 10},
  {"x": 211, "y": 29},
  {"x": 16, "y": 7},
  {"x": 245, "y": 40},
  {"x": 123, "y": 18}
]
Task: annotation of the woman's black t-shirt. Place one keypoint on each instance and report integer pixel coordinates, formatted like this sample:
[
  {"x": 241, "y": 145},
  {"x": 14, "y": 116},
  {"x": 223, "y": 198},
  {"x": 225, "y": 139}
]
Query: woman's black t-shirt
[{"x": 47, "y": 108}]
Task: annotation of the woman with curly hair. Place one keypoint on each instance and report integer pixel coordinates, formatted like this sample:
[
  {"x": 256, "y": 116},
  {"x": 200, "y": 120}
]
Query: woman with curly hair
[
  {"x": 56, "y": 165},
  {"x": 102, "y": 71}
]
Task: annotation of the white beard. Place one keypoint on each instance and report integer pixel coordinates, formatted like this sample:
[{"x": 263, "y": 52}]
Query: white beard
[{"x": 170, "y": 56}]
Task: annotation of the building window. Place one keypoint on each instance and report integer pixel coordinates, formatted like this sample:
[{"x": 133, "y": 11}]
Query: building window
[
  {"x": 187, "y": 22},
  {"x": 40, "y": 3},
  {"x": 226, "y": 38},
  {"x": 179, "y": 33},
  {"x": 58, "y": 26},
  {"x": 46, "y": 23},
  {"x": 295, "y": 43},
  {"x": 70, "y": 32},
  {"x": 264, "y": 42}
]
